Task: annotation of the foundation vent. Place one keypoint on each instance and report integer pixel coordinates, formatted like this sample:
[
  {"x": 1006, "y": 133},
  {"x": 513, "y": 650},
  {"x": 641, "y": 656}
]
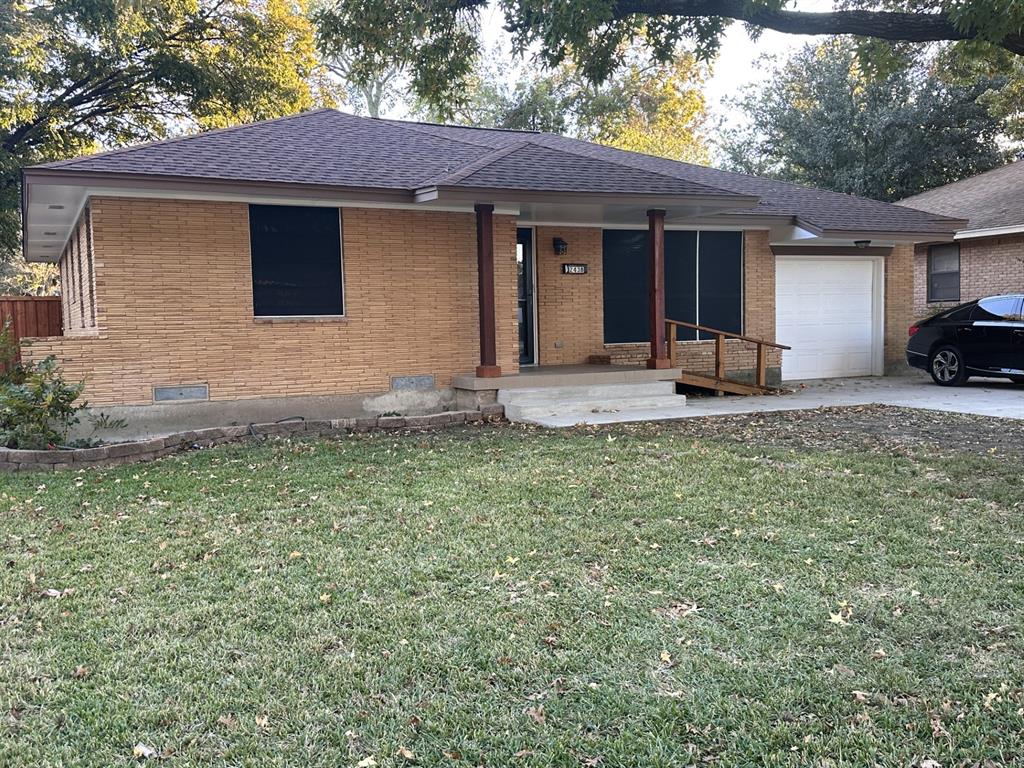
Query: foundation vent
[
  {"x": 412, "y": 382},
  {"x": 185, "y": 393}
]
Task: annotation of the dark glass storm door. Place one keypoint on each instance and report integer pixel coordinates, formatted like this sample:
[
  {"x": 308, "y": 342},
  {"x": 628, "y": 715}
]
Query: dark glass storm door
[{"x": 524, "y": 263}]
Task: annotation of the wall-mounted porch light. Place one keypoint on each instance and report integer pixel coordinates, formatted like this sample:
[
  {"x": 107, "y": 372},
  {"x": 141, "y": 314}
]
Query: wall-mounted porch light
[{"x": 561, "y": 247}]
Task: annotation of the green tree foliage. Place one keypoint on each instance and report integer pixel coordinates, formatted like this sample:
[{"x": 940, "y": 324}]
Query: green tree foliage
[
  {"x": 644, "y": 106},
  {"x": 822, "y": 120},
  {"x": 437, "y": 41},
  {"x": 78, "y": 75}
]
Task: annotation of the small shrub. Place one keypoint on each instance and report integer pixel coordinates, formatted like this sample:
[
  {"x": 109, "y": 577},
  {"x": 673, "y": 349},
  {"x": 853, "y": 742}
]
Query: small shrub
[{"x": 37, "y": 406}]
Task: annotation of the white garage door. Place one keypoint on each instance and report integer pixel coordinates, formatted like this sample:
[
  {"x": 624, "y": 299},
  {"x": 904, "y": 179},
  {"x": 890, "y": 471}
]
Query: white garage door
[{"x": 825, "y": 310}]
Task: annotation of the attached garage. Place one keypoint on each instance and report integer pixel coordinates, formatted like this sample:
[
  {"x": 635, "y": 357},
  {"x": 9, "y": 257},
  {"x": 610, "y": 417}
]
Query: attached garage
[{"x": 829, "y": 310}]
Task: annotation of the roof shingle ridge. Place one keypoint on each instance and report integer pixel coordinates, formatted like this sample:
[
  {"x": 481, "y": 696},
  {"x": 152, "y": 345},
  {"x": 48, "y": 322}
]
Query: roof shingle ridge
[
  {"x": 477, "y": 165},
  {"x": 1014, "y": 165},
  {"x": 759, "y": 179},
  {"x": 187, "y": 137},
  {"x": 634, "y": 167}
]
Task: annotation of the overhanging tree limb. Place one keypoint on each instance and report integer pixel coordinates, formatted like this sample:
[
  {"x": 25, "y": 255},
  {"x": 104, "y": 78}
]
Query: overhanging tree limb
[{"x": 917, "y": 27}]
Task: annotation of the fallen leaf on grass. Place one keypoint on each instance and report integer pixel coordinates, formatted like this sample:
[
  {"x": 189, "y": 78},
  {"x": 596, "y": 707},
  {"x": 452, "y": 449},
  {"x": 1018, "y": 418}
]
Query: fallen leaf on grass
[
  {"x": 666, "y": 657},
  {"x": 81, "y": 672},
  {"x": 262, "y": 721},
  {"x": 536, "y": 714},
  {"x": 405, "y": 753},
  {"x": 228, "y": 721},
  {"x": 143, "y": 751},
  {"x": 366, "y": 762}
]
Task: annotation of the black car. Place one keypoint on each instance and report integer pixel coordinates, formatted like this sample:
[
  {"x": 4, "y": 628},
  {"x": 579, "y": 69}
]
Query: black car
[{"x": 979, "y": 338}]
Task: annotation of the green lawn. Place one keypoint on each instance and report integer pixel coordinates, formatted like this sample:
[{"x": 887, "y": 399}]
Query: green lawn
[{"x": 505, "y": 596}]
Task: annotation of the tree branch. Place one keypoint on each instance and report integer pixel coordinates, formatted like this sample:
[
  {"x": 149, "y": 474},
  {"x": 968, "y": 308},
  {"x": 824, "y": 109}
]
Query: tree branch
[{"x": 887, "y": 25}]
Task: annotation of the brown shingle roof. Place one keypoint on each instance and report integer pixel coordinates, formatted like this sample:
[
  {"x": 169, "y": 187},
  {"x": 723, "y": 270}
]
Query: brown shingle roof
[
  {"x": 326, "y": 147},
  {"x": 991, "y": 199}
]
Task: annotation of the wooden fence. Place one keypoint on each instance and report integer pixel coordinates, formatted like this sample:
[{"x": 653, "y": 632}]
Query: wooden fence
[{"x": 31, "y": 315}]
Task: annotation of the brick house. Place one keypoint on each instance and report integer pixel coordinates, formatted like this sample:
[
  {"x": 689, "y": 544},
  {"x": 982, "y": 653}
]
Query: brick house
[
  {"x": 328, "y": 255},
  {"x": 984, "y": 258}
]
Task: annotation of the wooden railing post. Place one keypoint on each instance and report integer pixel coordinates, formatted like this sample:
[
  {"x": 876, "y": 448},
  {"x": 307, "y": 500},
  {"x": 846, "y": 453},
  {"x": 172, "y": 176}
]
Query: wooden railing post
[
  {"x": 719, "y": 356},
  {"x": 762, "y": 366},
  {"x": 670, "y": 333}
]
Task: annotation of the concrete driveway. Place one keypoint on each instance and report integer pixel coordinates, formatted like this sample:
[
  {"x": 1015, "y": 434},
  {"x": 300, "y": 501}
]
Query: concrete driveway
[{"x": 984, "y": 397}]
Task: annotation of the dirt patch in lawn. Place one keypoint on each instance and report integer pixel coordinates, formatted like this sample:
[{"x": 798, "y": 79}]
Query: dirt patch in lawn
[{"x": 869, "y": 427}]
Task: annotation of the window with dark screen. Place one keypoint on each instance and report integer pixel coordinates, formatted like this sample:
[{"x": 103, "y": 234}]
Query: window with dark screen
[
  {"x": 703, "y": 282},
  {"x": 296, "y": 260}
]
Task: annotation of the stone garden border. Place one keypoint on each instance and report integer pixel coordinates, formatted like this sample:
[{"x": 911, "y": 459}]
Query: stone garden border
[{"x": 13, "y": 460}]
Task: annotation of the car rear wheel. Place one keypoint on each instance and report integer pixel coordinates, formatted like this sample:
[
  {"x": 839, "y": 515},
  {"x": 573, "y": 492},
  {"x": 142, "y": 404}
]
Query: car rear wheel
[{"x": 947, "y": 367}]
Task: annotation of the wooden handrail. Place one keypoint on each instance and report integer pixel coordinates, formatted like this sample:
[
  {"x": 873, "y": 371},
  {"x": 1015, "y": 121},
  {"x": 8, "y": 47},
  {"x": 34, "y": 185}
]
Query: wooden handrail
[
  {"x": 726, "y": 334},
  {"x": 761, "y": 373}
]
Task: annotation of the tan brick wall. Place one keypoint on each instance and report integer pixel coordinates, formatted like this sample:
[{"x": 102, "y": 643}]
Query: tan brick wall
[
  {"x": 899, "y": 305},
  {"x": 77, "y": 276},
  {"x": 174, "y": 300},
  {"x": 570, "y": 307},
  {"x": 988, "y": 265}
]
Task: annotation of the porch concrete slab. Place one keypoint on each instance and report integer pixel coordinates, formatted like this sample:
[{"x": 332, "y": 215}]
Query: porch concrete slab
[{"x": 982, "y": 397}]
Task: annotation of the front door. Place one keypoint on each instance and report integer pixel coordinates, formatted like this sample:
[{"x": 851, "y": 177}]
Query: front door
[{"x": 527, "y": 330}]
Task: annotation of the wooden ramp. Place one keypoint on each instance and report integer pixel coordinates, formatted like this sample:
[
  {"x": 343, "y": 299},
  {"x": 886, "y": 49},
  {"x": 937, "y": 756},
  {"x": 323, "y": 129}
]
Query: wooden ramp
[{"x": 721, "y": 386}]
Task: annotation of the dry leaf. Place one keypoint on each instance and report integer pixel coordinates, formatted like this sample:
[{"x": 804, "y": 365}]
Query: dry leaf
[
  {"x": 262, "y": 721},
  {"x": 666, "y": 657},
  {"x": 536, "y": 714},
  {"x": 228, "y": 721},
  {"x": 325, "y": 598},
  {"x": 366, "y": 762},
  {"x": 81, "y": 672},
  {"x": 452, "y": 754},
  {"x": 860, "y": 696},
  {"x": 837, "y": 618},
  {"x": 294, "y": 554},
  {"x": 143, "y": 751},
  {"x": 405, "y": 753}
]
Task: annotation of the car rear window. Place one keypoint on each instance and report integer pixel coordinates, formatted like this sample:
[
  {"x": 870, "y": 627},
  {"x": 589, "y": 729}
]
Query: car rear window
[{"x": 998, "y": 308}]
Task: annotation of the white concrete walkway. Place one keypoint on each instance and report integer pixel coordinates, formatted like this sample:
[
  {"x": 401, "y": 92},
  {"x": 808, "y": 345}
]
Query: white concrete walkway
[{"x": 984, "y": 397}]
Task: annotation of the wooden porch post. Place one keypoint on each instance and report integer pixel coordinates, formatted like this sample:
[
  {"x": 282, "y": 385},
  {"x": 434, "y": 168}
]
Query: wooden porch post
[
  {"x": 656, "y": 279},
  {"x": 488, "y": 367}
]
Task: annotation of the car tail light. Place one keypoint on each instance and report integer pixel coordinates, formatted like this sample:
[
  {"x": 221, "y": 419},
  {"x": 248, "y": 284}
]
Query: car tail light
[{"x": 912, "y": 330}]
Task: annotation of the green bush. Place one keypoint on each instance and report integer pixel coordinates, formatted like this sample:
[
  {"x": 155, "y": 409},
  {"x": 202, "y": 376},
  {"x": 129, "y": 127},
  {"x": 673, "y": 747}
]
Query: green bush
[{"x": 37, "y": 406}]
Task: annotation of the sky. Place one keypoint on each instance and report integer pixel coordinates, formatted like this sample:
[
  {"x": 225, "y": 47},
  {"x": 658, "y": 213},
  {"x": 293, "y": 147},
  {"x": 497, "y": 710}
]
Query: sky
[{"x": 736, "y": 68}]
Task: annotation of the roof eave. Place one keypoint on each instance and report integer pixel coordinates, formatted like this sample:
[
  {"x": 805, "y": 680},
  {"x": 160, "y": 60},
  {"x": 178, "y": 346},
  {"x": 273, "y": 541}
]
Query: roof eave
[
  {"x": 969, "y": 234},
  {"x": 171, "y": 183},
  {"x": 907, "y": 236},
  {"x": 505, "y": 194}
]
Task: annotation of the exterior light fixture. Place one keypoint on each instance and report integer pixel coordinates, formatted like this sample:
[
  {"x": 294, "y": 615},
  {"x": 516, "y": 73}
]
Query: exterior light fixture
[
  {"x": 862, "y": 243},
  {"x": 561, "y": 247}
]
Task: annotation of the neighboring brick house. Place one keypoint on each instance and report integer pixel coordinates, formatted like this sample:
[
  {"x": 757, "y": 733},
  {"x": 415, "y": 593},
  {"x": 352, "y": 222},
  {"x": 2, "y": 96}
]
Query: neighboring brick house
[
  {"x": 331, "y": 255},
  {"x": 986, "y": 257}
]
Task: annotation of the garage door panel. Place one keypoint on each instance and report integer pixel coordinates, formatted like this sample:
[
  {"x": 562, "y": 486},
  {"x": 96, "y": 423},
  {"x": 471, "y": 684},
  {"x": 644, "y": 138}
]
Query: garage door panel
[{"x": 825, "y": 311}]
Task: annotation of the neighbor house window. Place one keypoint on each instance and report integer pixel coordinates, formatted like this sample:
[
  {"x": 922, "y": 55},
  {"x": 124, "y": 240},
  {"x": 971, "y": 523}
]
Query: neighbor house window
[
  {"x": 944, "y": 272},
  {"x": 703, "y": 283},
  {"x": 296, "y": 261}
]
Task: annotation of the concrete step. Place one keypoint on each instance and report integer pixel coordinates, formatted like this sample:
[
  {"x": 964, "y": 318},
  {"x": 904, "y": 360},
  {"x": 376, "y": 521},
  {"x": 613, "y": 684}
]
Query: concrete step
[
  {"x": 541, "y": 395},
  {"x": 592, "y": 404},
  {"x": 621, "y": 417}
]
